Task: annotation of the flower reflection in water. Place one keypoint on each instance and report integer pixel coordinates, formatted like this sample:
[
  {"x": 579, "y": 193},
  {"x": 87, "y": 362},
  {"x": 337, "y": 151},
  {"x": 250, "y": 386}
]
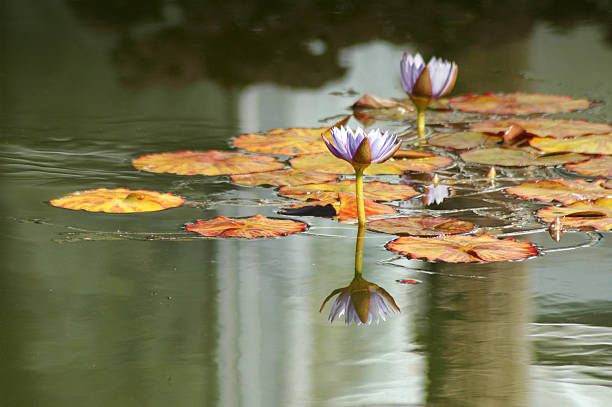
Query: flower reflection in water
[{"x": 361, "y": 301}]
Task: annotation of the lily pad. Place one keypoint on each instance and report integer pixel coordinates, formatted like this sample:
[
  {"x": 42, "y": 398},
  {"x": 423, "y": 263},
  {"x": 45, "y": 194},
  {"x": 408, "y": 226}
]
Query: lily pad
[
  {"x": 517, "y": 103},
  {"x": 462, "y": 248},
  {"x": 212, "y": 162},
  {"x": 561, "y": 190},
  {"x": 368, "y": 101},
  {"x": 288, "y": 176},
  {"x": 590, "y": 144},
  {"x": 249, "y": 228},
  {"x": 464, "y": 140},
  {"x": 118, "y": 200},
  {"x": 595, "y": 167},
  {"x": 544, "y": 127},
  {"x": 328, "y": 163},
  {"x": 420, "y": 226},
  {"x": 345, "y": 207},
  {"x": 512, "y": 157},
  {"x": 374, "y": 191},
  {"x": 595, "y": 214}
]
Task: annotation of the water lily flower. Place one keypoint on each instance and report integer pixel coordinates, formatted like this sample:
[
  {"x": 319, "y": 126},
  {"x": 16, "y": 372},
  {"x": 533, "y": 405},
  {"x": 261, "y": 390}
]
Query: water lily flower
[
  {"x": 361, "y": 302},
  {"x": 360, "y": 148},
  {"x": 425, "y": 83}
]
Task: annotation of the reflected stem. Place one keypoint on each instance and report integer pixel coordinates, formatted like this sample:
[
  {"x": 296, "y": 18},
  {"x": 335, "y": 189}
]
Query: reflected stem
[{"x": 359, "y": 251}]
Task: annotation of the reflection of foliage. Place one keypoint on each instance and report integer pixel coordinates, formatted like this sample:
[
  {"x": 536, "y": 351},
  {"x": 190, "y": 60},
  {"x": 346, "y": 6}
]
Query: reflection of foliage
[{"x": 236, "y": 43}]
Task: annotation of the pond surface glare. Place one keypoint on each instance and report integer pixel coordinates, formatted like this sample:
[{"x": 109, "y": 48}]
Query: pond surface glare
[{"x": 131, "y": 310}]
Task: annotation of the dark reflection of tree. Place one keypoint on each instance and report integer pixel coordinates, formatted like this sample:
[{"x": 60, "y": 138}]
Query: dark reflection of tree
[
  {"x": 474, "y": 335},
  {"x": 236, "y": 43}
]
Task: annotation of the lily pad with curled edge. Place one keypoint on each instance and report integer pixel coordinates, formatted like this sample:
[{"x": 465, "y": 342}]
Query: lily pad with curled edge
[
  {"x": 462, "y": 248},
  {"x": 464, "y": 140},
  {"x": 368, "y": 101},
  {"x": 328, "y": 163},
  {"x": 517, "y": 103},
  {"x": 544, "y": 127},
  {"x": 292, "y": 141},
  {"x": 512, "y": 157},
  {"x": 595, "y": 167},
  {"x": 374, "y": 191},
  {"x": 288, "y": 176},
  {"x": 249, "y": 228},
  {"x": 561, "y": 190},
  {"x": 212, "y": 162},
  {"x": 344, "y": 205},
  {"x": 590, "y": 144},
  {"x": 420, "y": 226},
  {"x": 595, "y": 214},
  {"x": 118, "y": 200}
]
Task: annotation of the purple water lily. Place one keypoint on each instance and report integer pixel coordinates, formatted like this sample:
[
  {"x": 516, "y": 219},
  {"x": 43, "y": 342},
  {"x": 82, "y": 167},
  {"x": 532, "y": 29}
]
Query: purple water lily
[
  {"x": 361, "y": 302},
  {"x": 360, "y": 148},
  {"x": 430, "y": 81}
]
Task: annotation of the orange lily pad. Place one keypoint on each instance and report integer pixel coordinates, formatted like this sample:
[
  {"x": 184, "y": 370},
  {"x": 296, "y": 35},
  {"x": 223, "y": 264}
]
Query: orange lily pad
[
  {"x": 119, "y": 200},
  {"x": 212, "y": 162},
  {"x": 462, "y": 248},
  {"x": 368, "y": 101},
  {"x": 374, "y": 191},
  {"x": 544, "y": 127},
  {"x": 249, "y": 228},
  {"x": 328, "y": 163},
  {"x": 420, "y": 226},
  {"x": 288, "y": 176},
  {"x": 345, "y": 207},
  {"x": 517, "y": 103},
  {"x": 595, "y": 214},
  {"x": 595, "y": 167},
  {"x": 464, "y": 140},
  {"x": 561, "y": 190},
  {"x": 512, "y": 157},
  {"x": 590, "y": 144}
]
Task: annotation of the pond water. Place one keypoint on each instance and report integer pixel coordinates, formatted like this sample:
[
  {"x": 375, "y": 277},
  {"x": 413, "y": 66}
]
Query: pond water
[{"x": 93, "y": 316}]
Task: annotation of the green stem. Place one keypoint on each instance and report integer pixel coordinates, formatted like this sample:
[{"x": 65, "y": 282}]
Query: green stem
[
  {"x": 359, "y": 251},
  {"x": 359, "y": 192},
  {"x": 421, "y": 122}
]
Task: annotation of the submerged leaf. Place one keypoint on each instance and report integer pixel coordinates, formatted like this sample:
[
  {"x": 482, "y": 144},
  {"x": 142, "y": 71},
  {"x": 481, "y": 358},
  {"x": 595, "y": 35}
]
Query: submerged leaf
[
  {"x": 595, "y": 214},
  {"x": 512, "y": 157},
  {"x": 590, "y": 144},
  {"x": 249, "y": 228},
  {"x": 595, "y": 167},
  {"x": 462, "y": 249},
  {"x": 561, "y": 190},
  {"x": 212, "y": 162},
  {"x": 328, "y": 163},
  {"x": 420, "y": 226},
  {"x": 544, "y": 127},
  {"x": 374, "y": 191},
  {"x": 288, "y": 176},
  {"x": 517, "y": 103},
  {"x": 119, "y": 200}
]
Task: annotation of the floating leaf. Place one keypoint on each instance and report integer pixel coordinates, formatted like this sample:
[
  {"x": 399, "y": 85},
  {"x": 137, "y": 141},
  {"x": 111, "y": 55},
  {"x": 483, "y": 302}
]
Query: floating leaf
[
  {"x": 544, "y": 127},
  {"x": 345, "y": 206},
  {"x": 561, "y": 190},
  {"x": 595, "y": 167},
  {"x": 210, "y": 162},
  {"x": 288, "y": 176},
  {"x": 464, "y": 140},
  {"x": 591, "y": 144},
  {"x": 249, "y": 228},
  {"x": 512, "y": 157},
  {"x": 595, "y": 214},
  {"x": 375, "y": 191},
  {"x": 462, "y": 249},
  {"x": 119, "y": 200},
  {"x": 328, "y": 163},
  {"x": 420, "y": 226},
  {"x": 517, "y": 103},
  {"x": 368, "y": 101}
]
